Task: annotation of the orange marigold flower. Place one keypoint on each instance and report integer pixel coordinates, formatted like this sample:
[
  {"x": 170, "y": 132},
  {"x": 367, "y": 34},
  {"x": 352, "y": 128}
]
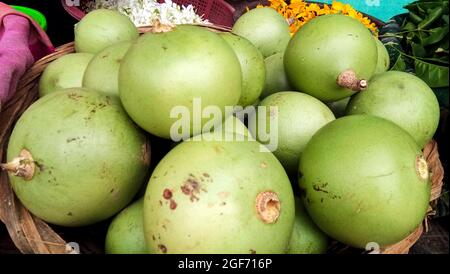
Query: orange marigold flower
[{"x": 298, "y": 12}]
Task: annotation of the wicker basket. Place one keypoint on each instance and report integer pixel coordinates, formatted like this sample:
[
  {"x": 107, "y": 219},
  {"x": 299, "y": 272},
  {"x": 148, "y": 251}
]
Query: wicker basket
[
  {"x": 217, "y": 12},
  {"x": 32, "y": 235}
]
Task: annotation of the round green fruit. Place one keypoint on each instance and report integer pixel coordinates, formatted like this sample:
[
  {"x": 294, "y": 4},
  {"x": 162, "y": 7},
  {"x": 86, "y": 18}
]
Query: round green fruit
[
  {"x": 403, "y": 99},
  {"x": 299, "y": 116},
  {"x": 331, "y": 57},
  {"x": 172, "y": 69},
  {"x": 306, "y": 237},
  {"x": 364, "y": 180},
  {"x": 203, "y": 194},
  {"x": 102, "y": 73},
  {"x": 102, "y": 28},
  {"x": 252, "y": 66},
  {"x": 265, "y": 28},
  {"x": 126, "y": 232},
  {"x": 383, "y": 62},
  {"x": 65, "y": 72},
  {"x": 276, "y": 79},
  {"x": 76, "y": 158}
]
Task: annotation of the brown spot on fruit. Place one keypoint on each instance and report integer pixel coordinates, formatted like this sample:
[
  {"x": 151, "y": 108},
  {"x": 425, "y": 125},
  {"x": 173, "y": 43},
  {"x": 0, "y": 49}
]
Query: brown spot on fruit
[
  {"x": 145, "y": 153},
  {"x": 173, "y": 204},
  {"x": 268, "y": 206},
  {"x": 263, "y": 165},
  {"x": 252, "y": 251},
  {"x": 191, "y": 187},
  {"x": 163, "y": 248},
  {"x": 320, "y": 187},
  {"x": 206, "y": 175},
  {"x": 223, "y": 195},
  {"x": 218, "y": 149},
  {"x": 167, "y": 194}
]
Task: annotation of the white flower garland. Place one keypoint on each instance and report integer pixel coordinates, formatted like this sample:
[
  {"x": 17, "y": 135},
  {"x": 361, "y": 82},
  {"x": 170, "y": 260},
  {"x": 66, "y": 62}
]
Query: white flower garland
[{"x": 145, "y": 12}]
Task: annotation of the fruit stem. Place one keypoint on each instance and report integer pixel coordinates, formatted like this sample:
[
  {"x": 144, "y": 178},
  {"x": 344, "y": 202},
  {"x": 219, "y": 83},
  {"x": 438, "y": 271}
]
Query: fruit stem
[
  {"x": 348, "y": 79},
  {"x": 157, "y": 27},
  {"x": 268, "y": 206},
  {"x": 22, "y": 166}
]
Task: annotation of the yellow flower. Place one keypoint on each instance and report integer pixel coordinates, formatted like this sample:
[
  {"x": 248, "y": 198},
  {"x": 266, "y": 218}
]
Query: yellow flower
[
  {"x": 298, "y": 13},
  {"x": 338, "y": 6}
]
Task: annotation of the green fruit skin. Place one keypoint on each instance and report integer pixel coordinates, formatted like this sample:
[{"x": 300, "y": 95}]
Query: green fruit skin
[
  {"x": 126, "y": 232},
  {"x": 325, "y": 47},
  {"x": 276, "y": 79},
  {"x": 102, "y": 73},
  {"x": 170, "y": 69},
  {"x": 102, "y": 28},
  {"x": 300, "y": 116},
  {"x": 359, "y": 181},
  {"x": 403, "y": 99},
  {"x": 229, "y": 176},
  {"x": 265, "y": 28},
  {"x": 252, "y": 67},
  {"x": 65, "y": 72},
  {"x": 383, "y": 61},
  {"x": 306, "y": 237},
  {"x": 232, "y": 125},
  {"x": 92, "y": 157}
]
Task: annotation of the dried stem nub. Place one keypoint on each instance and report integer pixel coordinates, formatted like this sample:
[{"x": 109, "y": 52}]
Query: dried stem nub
[
  {"x": 21, "y": 166},
  {"x": 348, "y": 79}
]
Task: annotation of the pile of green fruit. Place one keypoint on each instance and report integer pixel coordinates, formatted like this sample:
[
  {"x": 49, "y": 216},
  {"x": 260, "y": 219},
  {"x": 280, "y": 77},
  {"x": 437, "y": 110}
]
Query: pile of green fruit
[{"x": 81, "y": 153}]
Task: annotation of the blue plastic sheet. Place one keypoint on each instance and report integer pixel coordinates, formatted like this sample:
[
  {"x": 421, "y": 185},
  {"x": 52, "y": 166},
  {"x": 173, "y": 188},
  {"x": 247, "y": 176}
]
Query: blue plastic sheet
[{"x": 381, "y": 9}]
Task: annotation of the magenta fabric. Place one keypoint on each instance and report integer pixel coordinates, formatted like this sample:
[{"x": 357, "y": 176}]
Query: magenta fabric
[{"x": 22, "y": 42}]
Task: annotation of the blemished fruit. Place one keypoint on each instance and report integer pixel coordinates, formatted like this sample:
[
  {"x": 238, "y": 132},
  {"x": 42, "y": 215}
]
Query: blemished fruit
[
  {"x": 102, "y": 28},
  {"x": 383, "y": 61},
  {"x": 306, "y": 237},
  {"x": 75, "y": 158},
  {"x": 126, "y": 232},
  {"x": 299, "y": 116},
  {"x": 252, "y": 67},
  {"x": 172, "y": 69},
  {"x": 65, "y": 72},
  {"x": 403, "y": 99},
  {"x": 276, "y": 79},
  {"x": 204, "y": 193},
  {"x": 364, "y": 180},
  {"x": 102, "y": 72},
  {"x": 331, "y": 57},
  {"x": 265, "y": 28}
]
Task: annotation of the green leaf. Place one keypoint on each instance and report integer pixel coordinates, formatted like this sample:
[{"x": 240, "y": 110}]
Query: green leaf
[
  {"x": 399, "y": 64},
  {"x": 434, "y": 75},
  {"x": 432, "y": 16},
  {"x": 416, "y": 19},
  {"x": 439, "y": 61},
  {"x": 421, "y": 7},
  {"x": 409, "y": 26},
  {"x": 435, "y": 35},
  {"x": 445, "y": 18},
  {"x": 418, "y": 50}
]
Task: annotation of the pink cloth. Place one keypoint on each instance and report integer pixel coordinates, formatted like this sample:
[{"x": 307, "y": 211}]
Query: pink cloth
[{"x": 22, "y": 42}]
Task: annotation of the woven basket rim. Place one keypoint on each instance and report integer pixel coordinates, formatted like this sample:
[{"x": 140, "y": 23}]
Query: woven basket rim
[{"x": 44, "y": 239}]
